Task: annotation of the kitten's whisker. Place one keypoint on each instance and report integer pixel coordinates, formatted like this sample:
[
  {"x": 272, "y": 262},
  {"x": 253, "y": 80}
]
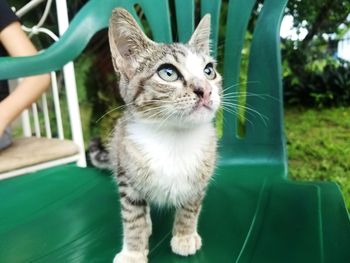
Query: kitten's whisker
[
  {"x": 147, "y": 111},
  {"x": 241, "y": 114},
  {"x": 248, "y": 110},
  {"x": 154, "y": 109},
  {"x": 264, "y": 118},
  {"x": 163, "y": 109},
  {"x": 112, "y": 110},
  {"x": 243, "y": 93},
  {"x": 133, "y": 116},
  {"x": 165, "y": 119},
  {"x": 250, "y": 94},
  {"x": 163, "y": 101},
  {"x": 128, "y": 104},
  {"x": 150, "y": 117},
  {"x": 241, "y": 83},
  {"x": 229, "y": 96},
  {"x": 235, "y": 112},
  {"x": 111, "y": 133},
  {"x": 182, "y": 115},
  {"x": 235, "y": 103}
]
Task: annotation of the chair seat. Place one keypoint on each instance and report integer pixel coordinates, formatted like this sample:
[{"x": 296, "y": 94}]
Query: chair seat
[
  {"x": 30, "y": 151},
  {"x": 70, "y": 214}
]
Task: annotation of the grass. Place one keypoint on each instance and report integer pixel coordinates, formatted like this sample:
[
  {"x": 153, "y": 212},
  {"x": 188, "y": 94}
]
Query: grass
[{"x": 319, "y": 146}]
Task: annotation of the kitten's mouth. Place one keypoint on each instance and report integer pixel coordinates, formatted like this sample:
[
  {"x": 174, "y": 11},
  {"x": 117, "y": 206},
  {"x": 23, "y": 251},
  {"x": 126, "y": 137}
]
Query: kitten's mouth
[{"x": 203, "y": 104}]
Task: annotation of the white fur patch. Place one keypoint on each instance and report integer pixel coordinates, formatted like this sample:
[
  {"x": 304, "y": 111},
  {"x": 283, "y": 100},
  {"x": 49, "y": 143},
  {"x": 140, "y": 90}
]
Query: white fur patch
[
  {"x": 174, "y": 156},
  {"x": 194, "y": 66},
  {"x": 186, "y": 245},
  {"x": 126, "y": 256}
]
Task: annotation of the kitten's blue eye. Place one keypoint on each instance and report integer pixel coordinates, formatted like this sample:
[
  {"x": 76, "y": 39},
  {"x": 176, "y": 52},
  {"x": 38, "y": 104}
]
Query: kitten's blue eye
[
  {"x": 209, "y": 71},
  {"x": 168, "y": 72}
]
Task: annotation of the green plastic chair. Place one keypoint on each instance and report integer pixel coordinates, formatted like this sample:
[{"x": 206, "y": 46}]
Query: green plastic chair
[{"x": 252, "y": 212}]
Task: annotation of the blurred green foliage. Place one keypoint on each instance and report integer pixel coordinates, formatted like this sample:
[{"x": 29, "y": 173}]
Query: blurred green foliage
[
  {"x": 97, "y": 92},
  {"x": 313, "y": 75},
  {"x": 322, "y": 83}
]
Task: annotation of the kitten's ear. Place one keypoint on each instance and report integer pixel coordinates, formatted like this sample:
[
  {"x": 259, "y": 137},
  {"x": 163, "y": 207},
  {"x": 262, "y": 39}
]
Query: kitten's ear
[
  {"x": 126, "y": 40},
  {"x": 200, "y": 39}
]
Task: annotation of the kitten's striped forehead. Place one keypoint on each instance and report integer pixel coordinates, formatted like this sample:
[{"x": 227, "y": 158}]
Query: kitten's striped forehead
[{"x": 189, "y": 61}]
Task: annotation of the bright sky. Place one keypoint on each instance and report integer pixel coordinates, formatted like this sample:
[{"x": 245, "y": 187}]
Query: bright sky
[
  {"x": 287, "y": 31},
  {"x": 344, "y": 48}
]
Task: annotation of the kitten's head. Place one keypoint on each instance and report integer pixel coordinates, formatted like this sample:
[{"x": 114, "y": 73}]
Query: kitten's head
[{"x": 165, "y": 83}]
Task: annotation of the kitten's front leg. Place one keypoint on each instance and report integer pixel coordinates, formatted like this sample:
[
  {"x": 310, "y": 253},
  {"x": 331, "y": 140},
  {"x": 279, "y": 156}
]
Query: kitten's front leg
[
  {"x": 186, "y": 240},
  {"x": 137, "y": 229}
]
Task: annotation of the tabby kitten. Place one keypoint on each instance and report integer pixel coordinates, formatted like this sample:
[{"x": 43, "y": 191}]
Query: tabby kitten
[{"x": 163, "y": 149}]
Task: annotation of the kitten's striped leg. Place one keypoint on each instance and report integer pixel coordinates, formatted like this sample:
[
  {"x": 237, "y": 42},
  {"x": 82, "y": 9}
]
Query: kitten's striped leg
[
  {"x": 186, "y": 240},
  {"x": 136, "y": 228}
]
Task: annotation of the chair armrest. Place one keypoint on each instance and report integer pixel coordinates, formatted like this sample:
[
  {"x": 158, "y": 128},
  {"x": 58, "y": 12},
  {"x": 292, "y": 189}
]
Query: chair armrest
[{"x": 91, "y": 18}]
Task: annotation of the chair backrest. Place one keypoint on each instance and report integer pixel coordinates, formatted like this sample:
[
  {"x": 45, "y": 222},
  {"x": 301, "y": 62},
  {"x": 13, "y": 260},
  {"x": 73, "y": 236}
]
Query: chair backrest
[{"x": 263, "y": 141}]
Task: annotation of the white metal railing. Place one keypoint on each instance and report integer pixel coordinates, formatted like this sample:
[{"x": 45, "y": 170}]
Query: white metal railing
[
  {"x": 69, "y": 81},
  {"x": 28, "y": 7}
]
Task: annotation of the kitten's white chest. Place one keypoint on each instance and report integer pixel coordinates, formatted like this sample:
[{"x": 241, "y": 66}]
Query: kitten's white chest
[{"x": 174, "y": 158}]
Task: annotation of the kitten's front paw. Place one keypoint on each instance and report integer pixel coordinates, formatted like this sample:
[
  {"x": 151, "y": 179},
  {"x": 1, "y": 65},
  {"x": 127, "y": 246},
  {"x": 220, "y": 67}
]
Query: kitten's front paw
[
  {"x": 130, "y": 257},
  {"x": 186, "y": 245}
]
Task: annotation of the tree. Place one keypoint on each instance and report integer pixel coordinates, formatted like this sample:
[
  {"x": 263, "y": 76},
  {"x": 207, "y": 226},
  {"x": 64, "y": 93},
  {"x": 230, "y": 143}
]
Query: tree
[
  {"x": 307, "y": 61},
  {"x": 320, "y": 17}
]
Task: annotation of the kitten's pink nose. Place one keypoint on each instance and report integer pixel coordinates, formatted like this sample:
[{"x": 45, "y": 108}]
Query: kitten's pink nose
[
  {"x": 204, "y": 93},
  {"x": 199, "y": 91}
]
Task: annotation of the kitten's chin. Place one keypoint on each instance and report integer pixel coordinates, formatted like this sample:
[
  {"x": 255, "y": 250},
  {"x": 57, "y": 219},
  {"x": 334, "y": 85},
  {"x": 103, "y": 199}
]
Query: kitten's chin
[
  {"x": 181, "y": 119},
  {"x": 194, "y": 119},
  {"x": 201, "y": 114}
]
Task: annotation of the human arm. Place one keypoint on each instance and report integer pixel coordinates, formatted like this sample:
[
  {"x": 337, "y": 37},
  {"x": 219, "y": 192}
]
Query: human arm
[{"x": 29, "y": 89}]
